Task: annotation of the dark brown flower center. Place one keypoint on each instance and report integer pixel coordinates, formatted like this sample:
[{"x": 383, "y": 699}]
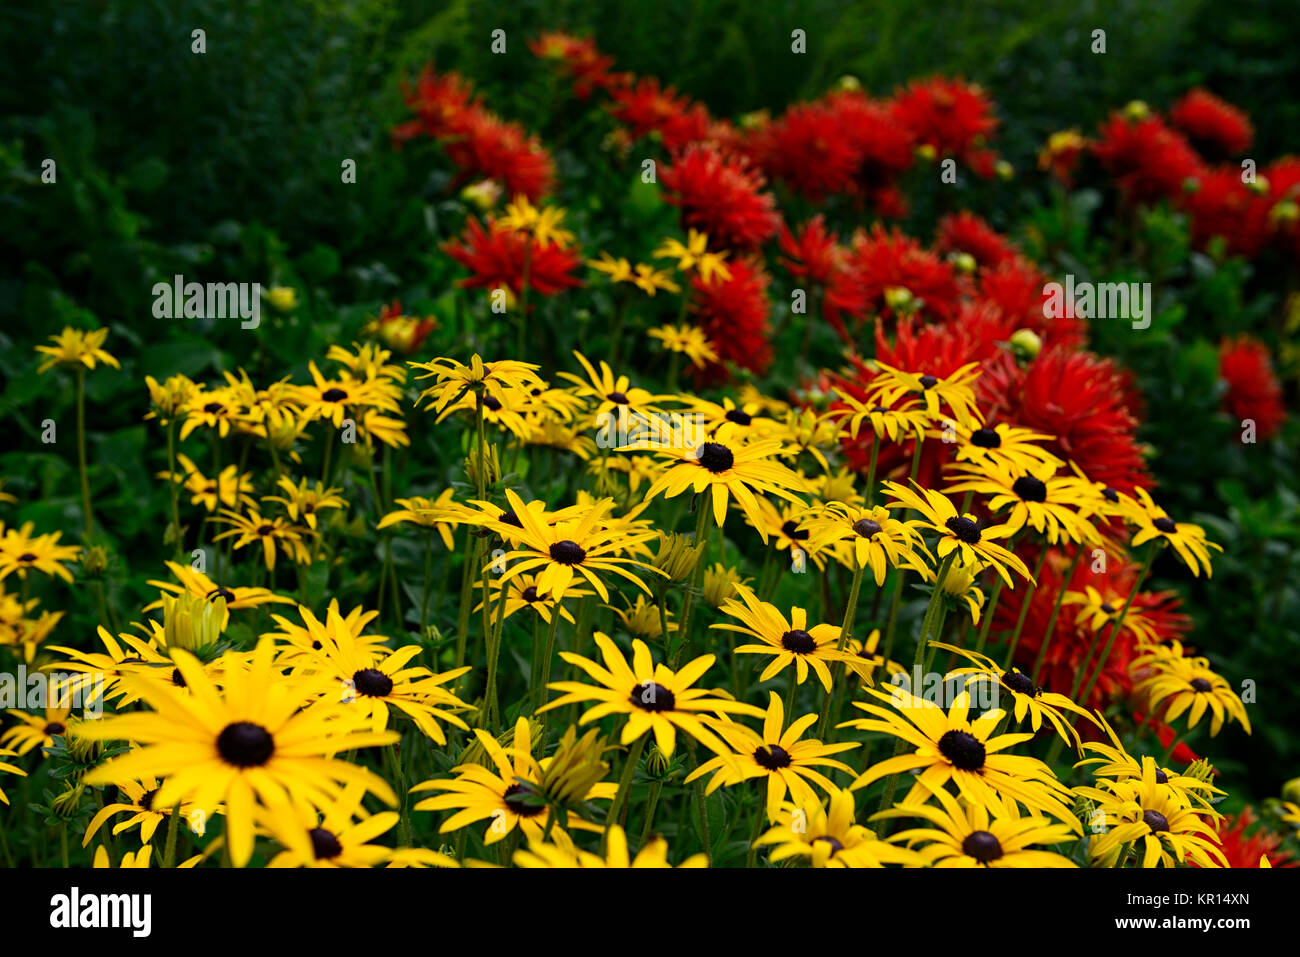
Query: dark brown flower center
[
  {"x": 54, "y": 728},
  {"x": 618, "y": 398},
  {"x": 146, "y": 799},
  {"x": 213, "y": 408},
  {"x": 245, "y": 745},
  {"x": 1156, "y": 821},
  {"x": 220, "y": 592},
  {"x": 491, "y": 402},
  {"x": 867, "y": 528},
  {"x": 929, "y": 381},
  {"x": 178, "y": 679},
  {"x": 568, "y": 553},
  {"x": 739, "y": 416},
  {"x": 791, "y": 529},
  {"x": 27, "y": 557},
  {"x": 515, "y": 800},
  {"x": 1030, "y": 489},
  {"x": 715, "y": 457},
  {"x": 772, "y": 757},
  {"x": 963, "y": 749},
  {"x": 982, "y": 846},
  {"x": 529, "y": 594},
  {"x": 372, "y": 683},
  {"x": 1165, "y": 525},
  {"x": 799, "y": 641},
  {"x": 1200, "y": 684},
  {"x": 1020, "y": 683},
  {"x": 324, "y": 844},
  {"x": 265, "y": 530},
  {"x": 333, "y": 395},
  {"x": 652, "y": 696},
  {"x": 986, "y": 438},
  {"x": 836, "y": 846},
  {"x": 963, "y": 529},
  {"x": 1161, "y": 776}
]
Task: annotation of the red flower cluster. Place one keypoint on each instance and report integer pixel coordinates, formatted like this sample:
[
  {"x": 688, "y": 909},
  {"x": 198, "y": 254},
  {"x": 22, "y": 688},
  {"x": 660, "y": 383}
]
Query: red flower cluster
[
  {"x": 1253, "y": 390},
  {"x": 475, "y": 139},
  {"x": 720, "y": 196},
  {"x": 586, "y": 66},
  {"x": 733, "y": 314},
  {"x": 1217, "y": 129},
  {"x": 950, "y": 117},
  {"x": 1246, "y": 850},
  {"x": 498, "y": 257}
]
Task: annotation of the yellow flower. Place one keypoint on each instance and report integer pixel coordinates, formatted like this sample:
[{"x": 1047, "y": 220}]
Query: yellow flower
[
  {"x": 1187, "y": 539},
  {"x": 78, "y": 348},
  {"x": 543, "y": 224},
  {"x": 828, "y": 836},
  {"x": 689, "y": 340},
  {"x": 283, "y": 298},
  {"x": 694, "y": 256},
  {"x": 21, "y": 552},
  {"x": 565, "y": 854}
]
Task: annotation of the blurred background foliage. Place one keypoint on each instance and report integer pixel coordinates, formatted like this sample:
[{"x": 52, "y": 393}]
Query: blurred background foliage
[{"x": 227, "y": 165}]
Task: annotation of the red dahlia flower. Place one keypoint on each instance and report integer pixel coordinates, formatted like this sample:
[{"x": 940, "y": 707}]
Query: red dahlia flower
[
  {"x": 1222, "y": 205},
  {"x": 1149, "y": 160},
  {"x": 1217, "y": 129},
  {"x": 646, "y": 108},
  {"x": 965, "y": 232},
  {"x": 1253, "y": 390},
  {"x": 496, "y": 257},
  {"x": 1243, "y": 850},
  {"x": 720, "y": 196},
  {"x": 952, "y": 117},
  {"x": 733, "y": 314},
  {"x": 813, "y": 252}
]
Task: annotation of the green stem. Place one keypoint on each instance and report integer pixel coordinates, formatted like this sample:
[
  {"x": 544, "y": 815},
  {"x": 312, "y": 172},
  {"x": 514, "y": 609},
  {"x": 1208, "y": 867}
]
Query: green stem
[
  {"x": 81, "y": 454},
  {"x": 846, "y": 629},
  {"x": 1056, "y": 609},
  {"x": 1024, "y": 610},
  {"x": 624, "y": 786},
  {"x": 1119, "y": 624}
]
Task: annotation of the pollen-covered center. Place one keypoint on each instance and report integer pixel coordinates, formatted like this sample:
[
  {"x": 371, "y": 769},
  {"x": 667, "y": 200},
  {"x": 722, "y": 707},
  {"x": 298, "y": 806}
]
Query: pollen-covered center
[
  {"x": 372, "y": 683},
  {"x": 799, "y": 641},
  {"x": 986, "y": 438},
  {"x": 963, "y": 749},
  {"x": 1156, "y": 821},
  {"x": 245, "y": 745},
  {"x": 1030, "y": 489},
  {"x": 324, "y": 844},
  {"x": 568, "y": 553},
  {"x": 982, "y": 846},
  {"x": 963, "y": 529},
  {"x": 772, "y": 757},
  {"x": 652, "y": 696},
  {"x": 867, "y": 528},
  {"x": 715, "y": 457}
]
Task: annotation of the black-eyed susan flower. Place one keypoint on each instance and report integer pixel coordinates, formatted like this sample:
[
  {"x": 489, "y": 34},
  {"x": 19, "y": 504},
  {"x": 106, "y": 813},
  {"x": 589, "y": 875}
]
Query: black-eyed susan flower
[
  {"x": 22, "y": 552},
  {"x": 786, "y": 531},
  {"x": 976, "y": 834},
  {"x": 377, "y": 682},
  {"x": 272, "y": 534},
  {"x": 1059, "y": 507},
  {"x": 36, "y": 730},
  {"x": 690, "y": 341},
  {"x": 136, "y": 800},
  {"x": 949, "y": 746},
  {"x": 652, "y": 696},
  {"x": 720, "y": 584},
  {"x": 694, "y": 256},
  {"x": 866, "y": 658},
  {"x": 826, "y": 835},
  {"x": 229, "y": 488},
  {"x": 333, "y": 400},
  {"x": 505, "y": 790},
  {"x": 726, "y": 467},
  {"x": 952, "y": 394},
  {"x": 868, "y": 538},
  {"x": 521, "y": 592},
  {"x": 542, "y": 223},
  {"x": 1027, "y": 698},
  {"x": 304, "y": 500},
  {"x": 455, "y": 379},
  {"x": 1005, "y": 446},
  {"x": 776, "y": 754},
  {"x": 309, "y": 638},
  {"x": 791, "y": 642},
  {"x": 1110, "y": 760},
  {"x": 77, "y": 348},
  {"x": 1188, "y": 540},
  {"x": 339, "y": 835},
  {"x": 563, "y": 853},
  {"x": 1179, "y": 683},
  {"x": 908, "y": 420},
  {"x": 438, "y": 514},
  {"x": 1098, "y": 612},
  {"x": 1152, "y": 820},
  {"x": 958, "y": 533},
  {"x": 256, "y": 739},
  {"x": 610, "y": 395},
  {"x": 578, "y": 548}
]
